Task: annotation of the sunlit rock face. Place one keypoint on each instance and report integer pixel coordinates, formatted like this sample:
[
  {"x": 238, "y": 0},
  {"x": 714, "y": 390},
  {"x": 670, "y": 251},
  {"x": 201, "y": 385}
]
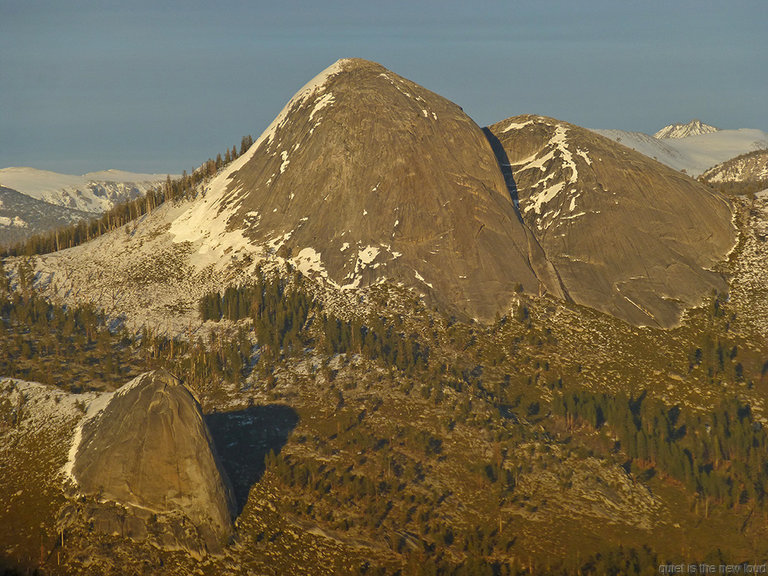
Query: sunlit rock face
[
  {"x": 150, "y": 449},
  {"x": 627, "y": 235},
  {"x": 366, "y": 176}
]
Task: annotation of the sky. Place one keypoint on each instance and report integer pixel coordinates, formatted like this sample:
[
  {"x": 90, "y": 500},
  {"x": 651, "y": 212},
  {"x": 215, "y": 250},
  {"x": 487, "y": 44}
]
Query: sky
[{"x": 160, "y": 86}]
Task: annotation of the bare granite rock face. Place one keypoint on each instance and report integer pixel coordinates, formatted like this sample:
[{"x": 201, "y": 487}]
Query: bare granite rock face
[
  {"x": 627, "y": 235},
  {"x": 150, "y": 451},
  {"x": 368, "y": 176}
]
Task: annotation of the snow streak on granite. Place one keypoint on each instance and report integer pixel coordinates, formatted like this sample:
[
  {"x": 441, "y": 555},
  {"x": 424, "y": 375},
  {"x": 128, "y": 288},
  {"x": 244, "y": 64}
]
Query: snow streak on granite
[
  {"x": 95, "y": 405},
  {"x": 554, "y": 158},
  {"x": 206, "y": 224}
]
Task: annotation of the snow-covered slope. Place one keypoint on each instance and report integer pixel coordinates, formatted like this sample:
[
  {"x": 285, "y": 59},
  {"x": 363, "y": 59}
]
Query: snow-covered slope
[
  {"x": 93, "y": 192},
  {"x": 750, "y": 167},
  {"x": 692, "y": 154},
  {"x": 693, "y": 128},
  {"x": 22, "y": 216}
]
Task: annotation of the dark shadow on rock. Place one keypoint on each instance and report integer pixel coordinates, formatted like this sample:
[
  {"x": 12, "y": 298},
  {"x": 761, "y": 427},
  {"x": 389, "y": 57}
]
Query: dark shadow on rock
[
  {"x": 544, "y": 269},
  {"x": 504, "y": 164},
  {"x": 244, "y": 437}
]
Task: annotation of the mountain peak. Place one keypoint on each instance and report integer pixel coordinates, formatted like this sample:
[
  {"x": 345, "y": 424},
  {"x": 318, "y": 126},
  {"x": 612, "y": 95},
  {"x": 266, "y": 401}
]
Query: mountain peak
[
  {"x": 694, "y": 128},
  {"x": 625, "y": 235},
  {"x": 366, "y": 176}
]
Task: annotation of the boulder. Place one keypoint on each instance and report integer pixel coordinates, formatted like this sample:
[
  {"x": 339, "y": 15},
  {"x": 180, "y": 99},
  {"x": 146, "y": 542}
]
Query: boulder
[{"x": 149, "y": 449}]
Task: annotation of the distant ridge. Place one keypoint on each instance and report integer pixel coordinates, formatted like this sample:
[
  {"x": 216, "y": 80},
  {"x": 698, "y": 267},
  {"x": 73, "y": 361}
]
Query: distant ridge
[
  {"x": 36, "y": 201},
  {"x": 694, "y": 128},
  {"x": 694, "y": 153},
  {"x": 94, "y": 192},
  {"x": 749, "y": 167}
]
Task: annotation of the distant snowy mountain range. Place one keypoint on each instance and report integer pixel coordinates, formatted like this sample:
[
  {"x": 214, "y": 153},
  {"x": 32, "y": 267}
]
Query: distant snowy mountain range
[
  {"x": 93, "y": 192},
  {"x": 693, "y": 147},
  {"x": 693, "y": 128},
  {"x": 32, "y": 201}
]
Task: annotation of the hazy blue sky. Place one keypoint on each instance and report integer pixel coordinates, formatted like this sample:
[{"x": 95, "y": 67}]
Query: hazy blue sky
[{"x": 160, "y": 86}]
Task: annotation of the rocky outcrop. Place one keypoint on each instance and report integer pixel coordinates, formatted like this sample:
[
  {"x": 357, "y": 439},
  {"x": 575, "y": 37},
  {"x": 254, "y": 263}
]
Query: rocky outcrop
[
  {"x": 148, "y": 450},
  {"x": 627, "y": 235}
]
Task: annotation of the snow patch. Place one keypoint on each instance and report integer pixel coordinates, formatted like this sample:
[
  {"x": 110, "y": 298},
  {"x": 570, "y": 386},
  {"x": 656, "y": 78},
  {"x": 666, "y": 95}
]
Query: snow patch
[
  {"x": 420, "y": 278},
  {"x": 320, "y": 103},
  {"x": 584, "y": 155},
  {"x": 204, "y": 223},
  {"x": 532, "y": 162},
  {"x": 559, "y": 140},
  {"x": 284, "y": 165},
  {"x": 537, "y": 200},
  {"x": 517, "y": 125},
  {"x": 15, "y": 222},
  {"x": 367, "y": 254},
  {"x": 276, "y": 243},
  {"x": 308, "y": 260}
]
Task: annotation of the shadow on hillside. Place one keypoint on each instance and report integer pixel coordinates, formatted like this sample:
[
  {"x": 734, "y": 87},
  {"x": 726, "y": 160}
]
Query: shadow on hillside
[
  {"x": 244, "y": 437},
  {"x": 9, "y": 567},
  {"x": 506, "y": 168}
]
